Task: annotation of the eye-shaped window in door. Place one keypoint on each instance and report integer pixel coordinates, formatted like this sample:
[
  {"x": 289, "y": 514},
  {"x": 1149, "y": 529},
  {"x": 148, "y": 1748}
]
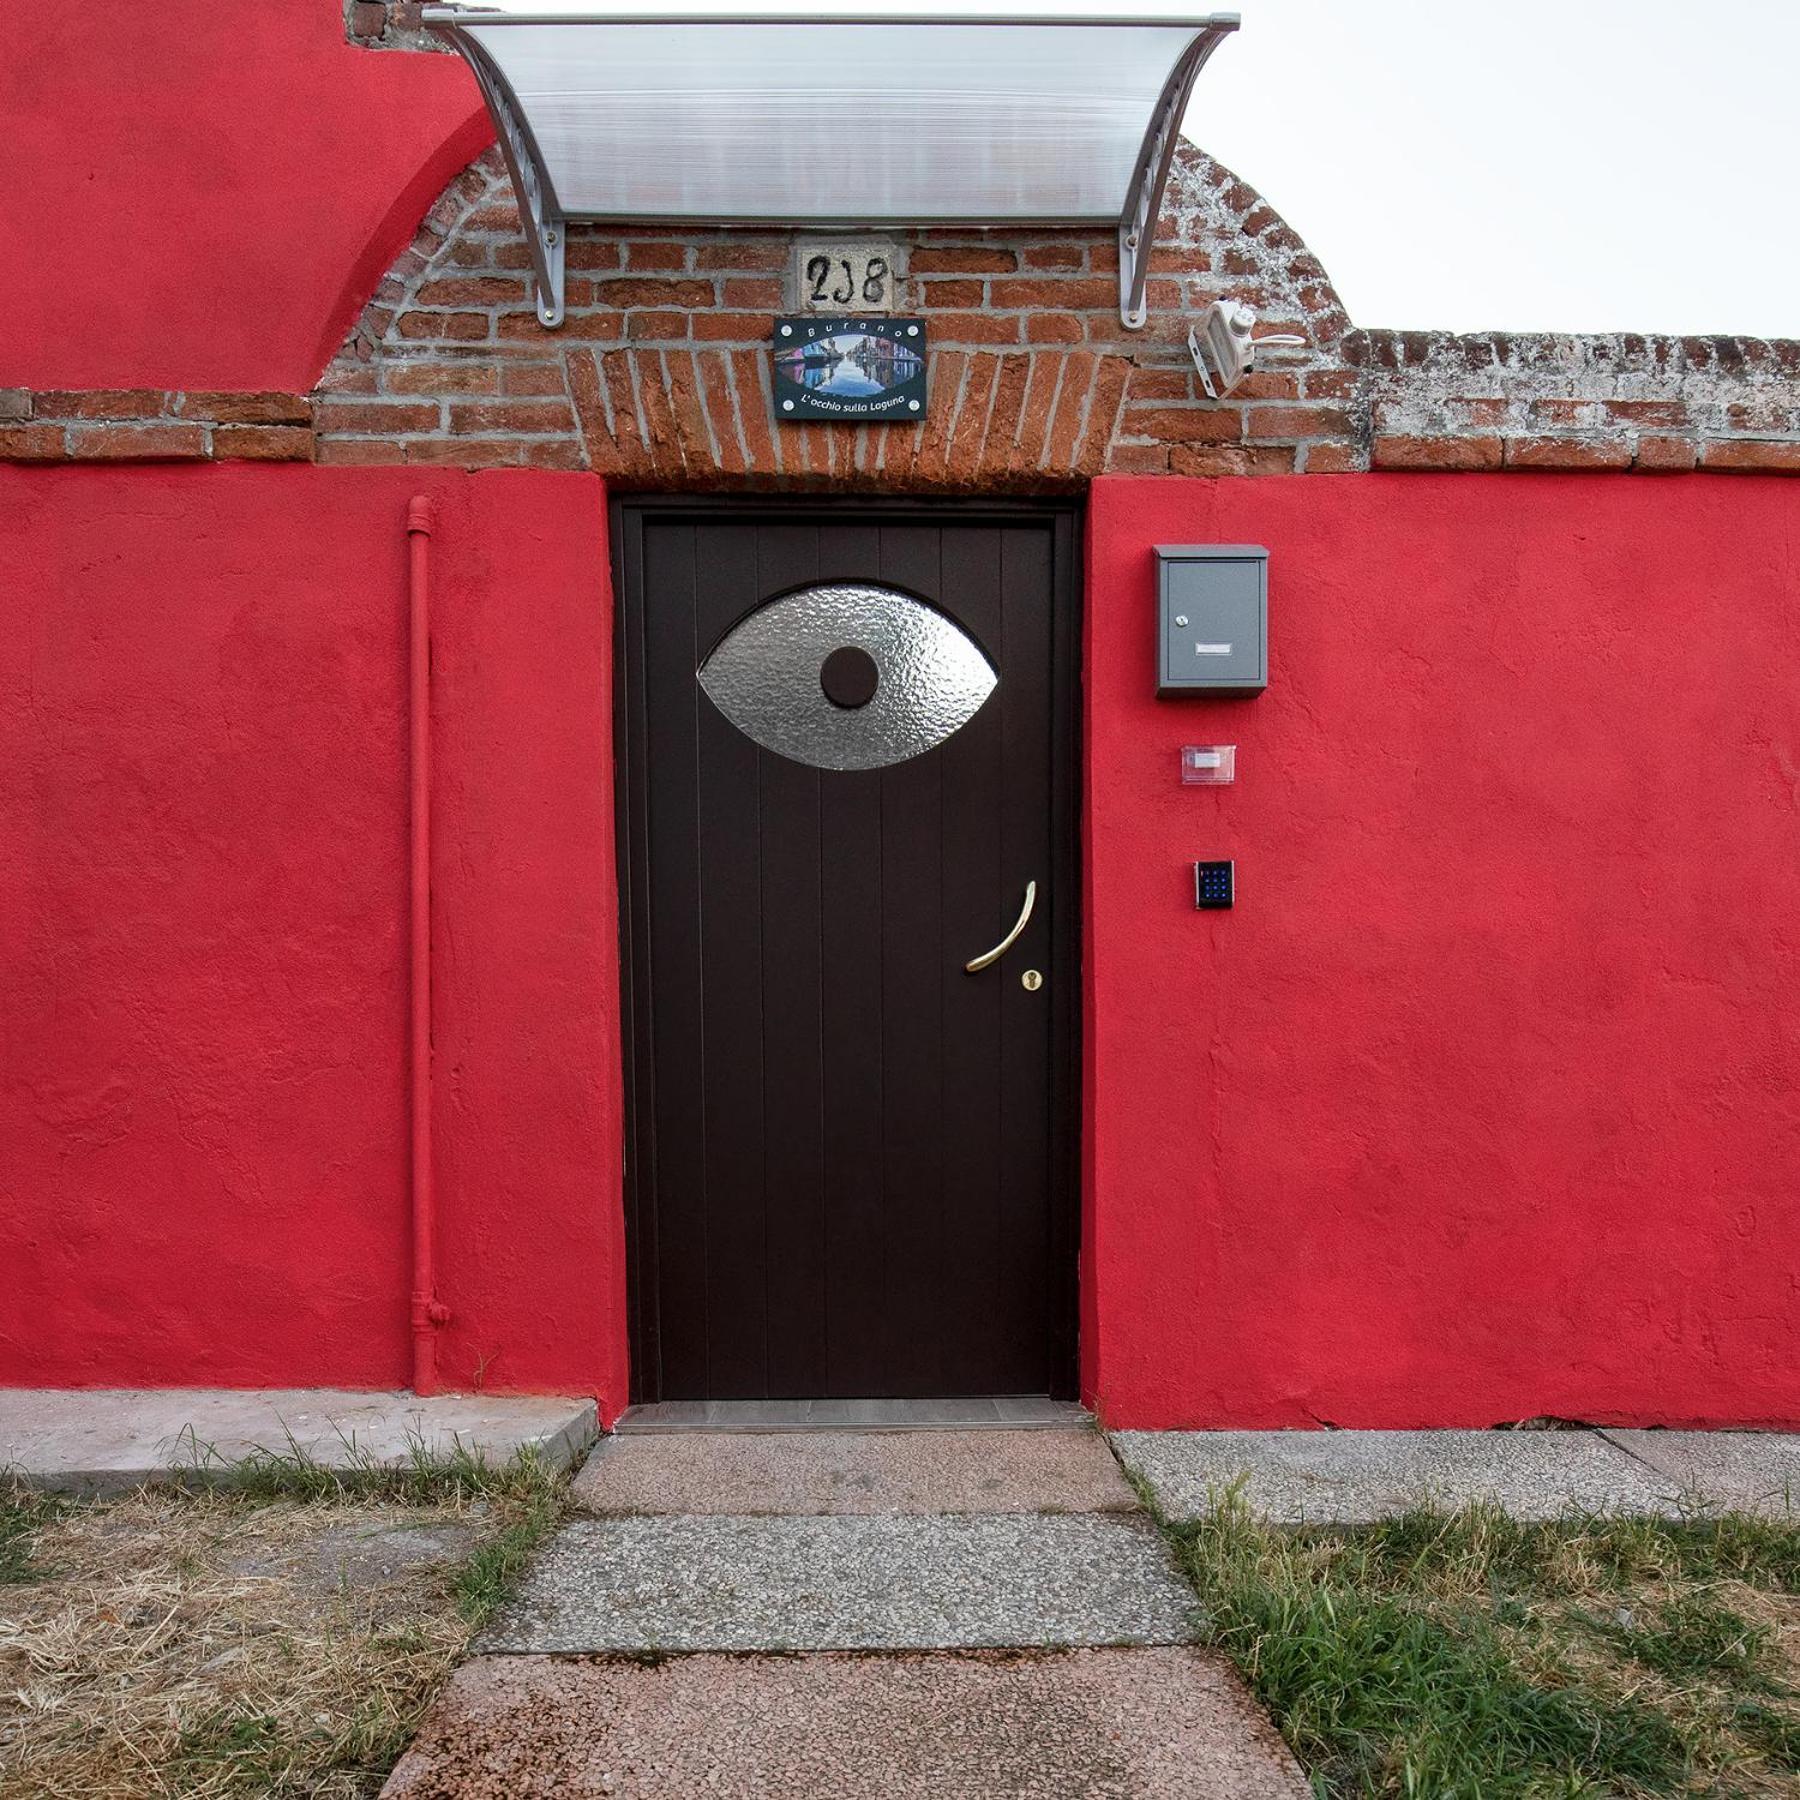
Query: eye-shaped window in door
[{"x": 847, "y": 676}]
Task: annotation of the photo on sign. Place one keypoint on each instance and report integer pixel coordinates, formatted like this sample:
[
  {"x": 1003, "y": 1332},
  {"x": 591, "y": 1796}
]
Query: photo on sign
[{"x": 858, "y": 369}]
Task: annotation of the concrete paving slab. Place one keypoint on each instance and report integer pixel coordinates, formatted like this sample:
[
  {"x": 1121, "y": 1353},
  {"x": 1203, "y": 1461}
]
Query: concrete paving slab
[
  {"x": 891, "y": 1583},
  {"x": 854, "y": 1472},
  {"x": 1742, "y": 1471},
  {"x": 1102, "y": 1724},
  {"x": 105, "y": 1440},
  {"x": 1353, "y": 1477}
]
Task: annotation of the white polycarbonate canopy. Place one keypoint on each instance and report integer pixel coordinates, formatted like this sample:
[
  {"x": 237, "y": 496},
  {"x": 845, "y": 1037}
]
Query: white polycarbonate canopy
[{"x": 893, "y": 115}]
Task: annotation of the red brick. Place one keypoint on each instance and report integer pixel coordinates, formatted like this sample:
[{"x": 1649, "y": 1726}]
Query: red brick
[
  {"x": 933, "y": 450},
  {"x": 958, "y": 453},
  {"x": 731, "y": 327},
  {"x": 581, "y": 327},
  {"x": 656, "y": 253},
  {"x": 1333, "y": 459},
  {"x": 456, "y": 327},
  {"x": 690, "y": 414},
  {"x": 266, "y": 408},
  {"x": 1437, "y": 453},
  {"x": 1071, "y": 294},
  {"x": 1102, "y": 415},
  {"x": 768, "y": 255},
  {"x": 748, "y": 377},
  {"x": 753, "y": 291},
  {"x": 1751, "y": 456},
  {"x": 1328, "y": 384},
  {"x": 467, "y": 453},
  {"x": 957, "y": 260},
  {"x": 950, "y": 291},
  {"x": 1296, "y": 422},
  {"x": 374, "y": 418},
  {"x": 973, "y": 328},
  {"x": 137, "y": 443},
  {"x": 1231, "y": 459},
  {"x": 367, "y": 17},
  {"x": 663, "y": 327},
  {"x": 662, "y": 437},
  {"x": 1034, "y": 415},
  {"x": 1138, "y": 459},
  {"x": 585, "y": 253},
  {"x": 443, "y": 378},
  {"x": 1566, "y": 453},
  {"x": 31, "y": 443},
  {"x": 360, "y": 451},
  {"x": 1665, "y": 455},
  {"x": 101, "y": 403},
  {"x": 1185, "y": 424},
  {"x": 1009, "y": 400},
  {"x": 629, "y": 291},
  {"x": 529, "y": 416},
  {"x": 474, "y": 290},
  {"x": 1054, "y": 328},
  {"x": 348, "y": 378},
  {"x": 715, "y": 395},
  {"x": 554, "y": 453},
  {"x": 532, "y": 378},
  {"x": 1648, "y": 412},
  {"x": 1056, "y": 256},
  {"x": 1065, "y": 425},
  {"x": 503, "y": 217},
  {"x": 264, "y": 443}
]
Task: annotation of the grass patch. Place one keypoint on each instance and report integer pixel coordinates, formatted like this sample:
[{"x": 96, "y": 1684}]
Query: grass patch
[
  {"x": 271, "y": 1628},
  {"x": 1464, "y": 1653}
]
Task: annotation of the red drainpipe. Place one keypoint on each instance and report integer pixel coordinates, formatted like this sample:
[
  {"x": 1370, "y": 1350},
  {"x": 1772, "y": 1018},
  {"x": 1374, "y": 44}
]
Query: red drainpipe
[{"x": 429, "y": 1314}]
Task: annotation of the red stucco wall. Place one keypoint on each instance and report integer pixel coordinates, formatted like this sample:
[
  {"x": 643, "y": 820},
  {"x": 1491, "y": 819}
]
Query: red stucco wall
[
  {"x": 1482, "y": 1103},
  {"x": 203, "y": 1135},
  {"x": 203, "y": 196}
]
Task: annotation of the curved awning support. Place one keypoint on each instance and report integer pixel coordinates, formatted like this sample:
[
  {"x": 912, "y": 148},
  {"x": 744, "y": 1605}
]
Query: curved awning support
[
  {"x": 901, "y": 115},
  {"x": 538, "y": 210},
  {"x": 1150, "y": 179}
]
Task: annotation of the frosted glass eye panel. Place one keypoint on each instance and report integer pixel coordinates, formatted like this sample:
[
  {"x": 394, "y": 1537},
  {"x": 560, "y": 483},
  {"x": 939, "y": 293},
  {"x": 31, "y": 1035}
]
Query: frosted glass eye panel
[
  {"x": 837, "y": 121},
  {"x": 795, "y": 677}
]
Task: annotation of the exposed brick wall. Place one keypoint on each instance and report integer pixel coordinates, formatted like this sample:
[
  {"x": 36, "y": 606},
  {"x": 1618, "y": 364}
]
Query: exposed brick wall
[
  {"x": 149, "y": 425},
  {"x": 660, "y": 375},
  {"x": 1554, "y": 402}
]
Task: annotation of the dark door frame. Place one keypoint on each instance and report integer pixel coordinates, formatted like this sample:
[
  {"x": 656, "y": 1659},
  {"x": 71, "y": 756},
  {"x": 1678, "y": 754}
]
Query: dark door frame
[{"x": 1064, "y": 515}]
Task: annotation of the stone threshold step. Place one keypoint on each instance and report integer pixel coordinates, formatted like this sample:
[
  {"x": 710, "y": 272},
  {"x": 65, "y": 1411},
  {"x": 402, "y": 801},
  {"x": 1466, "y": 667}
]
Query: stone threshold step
[{"x": 1009, "y": 1411}]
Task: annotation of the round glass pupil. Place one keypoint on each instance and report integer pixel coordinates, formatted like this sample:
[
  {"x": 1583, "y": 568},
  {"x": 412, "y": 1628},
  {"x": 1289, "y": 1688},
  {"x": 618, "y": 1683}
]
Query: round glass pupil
[{"x": 849, "y": 677}]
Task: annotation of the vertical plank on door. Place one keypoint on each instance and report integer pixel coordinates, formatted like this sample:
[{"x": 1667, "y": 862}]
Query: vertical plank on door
[
  {"x": 787, "y": 804},
  {"x": 731, "y": 952}
]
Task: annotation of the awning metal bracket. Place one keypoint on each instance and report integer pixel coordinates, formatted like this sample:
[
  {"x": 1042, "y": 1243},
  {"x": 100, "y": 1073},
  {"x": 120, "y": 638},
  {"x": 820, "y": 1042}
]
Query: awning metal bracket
[
  {"x": 545, "y": 227},
  {"x": 1150, "y": 178}
]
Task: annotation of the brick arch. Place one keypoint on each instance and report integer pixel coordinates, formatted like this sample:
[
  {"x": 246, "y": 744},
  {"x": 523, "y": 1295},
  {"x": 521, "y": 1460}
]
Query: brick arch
[{"x": 659, "y": 376}]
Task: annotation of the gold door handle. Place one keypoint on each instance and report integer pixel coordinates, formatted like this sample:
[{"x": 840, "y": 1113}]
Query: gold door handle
[{"x": 1011, "y": 938}]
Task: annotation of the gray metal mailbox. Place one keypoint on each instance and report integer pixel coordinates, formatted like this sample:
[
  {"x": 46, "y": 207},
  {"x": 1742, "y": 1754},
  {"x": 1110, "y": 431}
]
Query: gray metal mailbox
[{"x": 1212, "y": 612}]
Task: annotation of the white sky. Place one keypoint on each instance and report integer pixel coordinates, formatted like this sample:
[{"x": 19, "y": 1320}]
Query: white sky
[{"x": 1589, "y": 166}]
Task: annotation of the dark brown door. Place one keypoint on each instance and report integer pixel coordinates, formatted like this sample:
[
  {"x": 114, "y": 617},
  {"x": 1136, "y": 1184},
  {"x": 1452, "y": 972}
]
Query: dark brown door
[{"x": 848, "y": 748}]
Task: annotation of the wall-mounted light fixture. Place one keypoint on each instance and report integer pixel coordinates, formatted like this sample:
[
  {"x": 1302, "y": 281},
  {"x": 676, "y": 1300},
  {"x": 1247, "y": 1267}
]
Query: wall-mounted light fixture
[{"x": 1223, "y": 346}]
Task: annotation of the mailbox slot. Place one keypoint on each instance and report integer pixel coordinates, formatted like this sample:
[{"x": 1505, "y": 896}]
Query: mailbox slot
[{"x": 1212, "y": 605}]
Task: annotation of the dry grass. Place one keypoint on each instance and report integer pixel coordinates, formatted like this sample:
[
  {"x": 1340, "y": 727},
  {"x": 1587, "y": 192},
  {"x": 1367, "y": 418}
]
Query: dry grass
[{"x": 240, "y": 1642}]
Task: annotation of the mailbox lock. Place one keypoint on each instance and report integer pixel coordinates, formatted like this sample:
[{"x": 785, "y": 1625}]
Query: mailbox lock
[
  {"x": 1031, "y": 981},
  {"x": 1181, "y": 620}
]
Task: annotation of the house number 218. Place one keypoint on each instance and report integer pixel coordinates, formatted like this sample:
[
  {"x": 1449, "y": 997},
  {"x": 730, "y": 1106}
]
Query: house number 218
[{"x": 844, "y": 277}]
